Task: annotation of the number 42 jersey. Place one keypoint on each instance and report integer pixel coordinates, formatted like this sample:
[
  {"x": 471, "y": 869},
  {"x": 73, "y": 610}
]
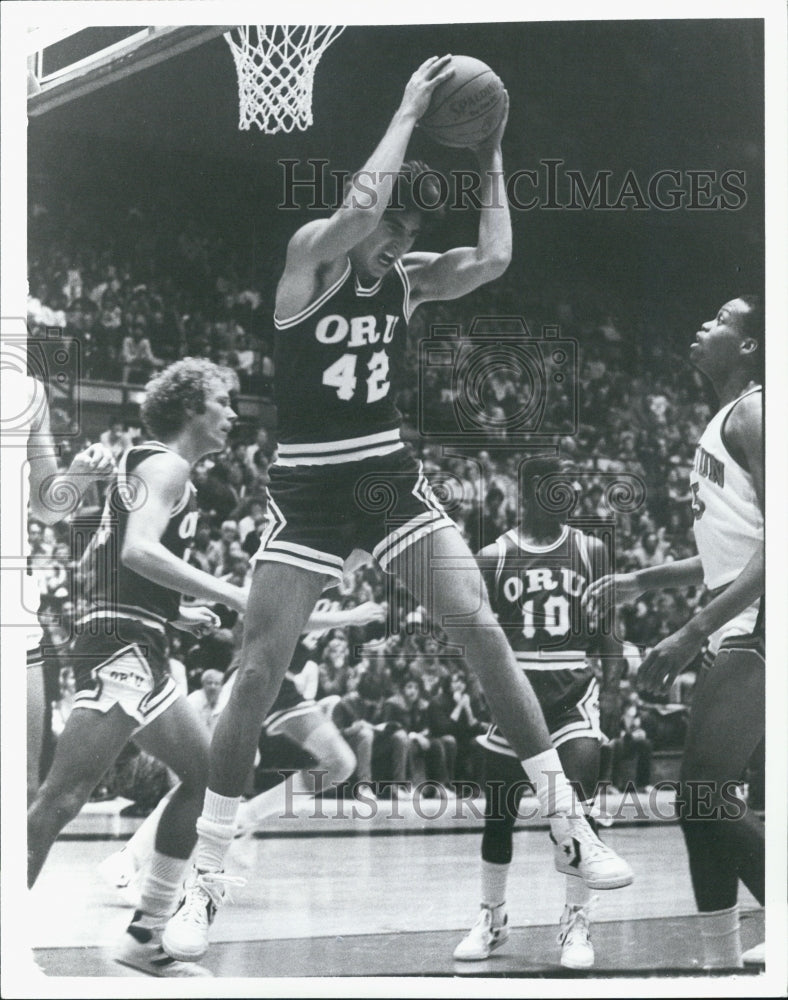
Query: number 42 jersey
[
  {"x": 536, "y": 593},
  {"x": 336, "y": 364}
]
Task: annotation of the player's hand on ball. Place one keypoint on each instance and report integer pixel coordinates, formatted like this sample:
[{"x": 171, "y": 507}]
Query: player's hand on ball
[
  {"x": 199, "y": 621},
  {"x": 421, "y": 85}
]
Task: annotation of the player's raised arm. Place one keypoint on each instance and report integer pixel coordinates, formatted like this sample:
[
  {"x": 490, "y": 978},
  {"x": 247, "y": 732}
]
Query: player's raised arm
[
  {"x": 453, "y": 274},
  {"x": 367, "y": 197},
  {"x": 163, "y": 478}
]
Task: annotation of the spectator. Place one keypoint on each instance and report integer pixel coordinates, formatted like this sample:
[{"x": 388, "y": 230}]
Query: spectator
[
  {"x": 220, "y": 551},
  {"x": 116, "y": 439},
  {"x": 139, "y": 361},
  {"x": 429, "y": 756},
  {"x": 381, "y": 748},
  {"x": 205, "y": 701},
  {"x": 631, "y": 742},
  {"x": 450, "y": 713}
]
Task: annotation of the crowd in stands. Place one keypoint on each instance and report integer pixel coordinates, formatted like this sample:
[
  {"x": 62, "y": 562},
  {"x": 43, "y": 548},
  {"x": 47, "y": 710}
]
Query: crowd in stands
[{"x": 628, "y": 418}]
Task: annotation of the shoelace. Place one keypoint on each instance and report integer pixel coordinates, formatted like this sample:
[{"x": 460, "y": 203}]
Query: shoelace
[
  {"x": 214, "y": 886},
  {"x": 485, "y": 920},
  {"x": 576, "y": 916},
  {"x": 596, "y": 849}
]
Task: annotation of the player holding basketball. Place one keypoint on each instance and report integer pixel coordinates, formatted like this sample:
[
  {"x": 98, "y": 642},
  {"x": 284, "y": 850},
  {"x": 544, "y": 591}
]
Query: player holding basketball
[
  {"x": 536, "y": 575},
  {"x": 349, "y": 287},
  {"x": 727, "y": 715},
  {"x": 136, "y": 575}
]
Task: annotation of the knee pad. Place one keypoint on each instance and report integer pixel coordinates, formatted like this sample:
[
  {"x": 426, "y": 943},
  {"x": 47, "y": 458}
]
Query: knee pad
[{"x": 497, "y": 840}]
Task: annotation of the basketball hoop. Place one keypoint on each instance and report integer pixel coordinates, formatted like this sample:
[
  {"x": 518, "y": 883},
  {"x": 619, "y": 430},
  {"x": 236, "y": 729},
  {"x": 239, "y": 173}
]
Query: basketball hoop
[{"x": 276, "y": 72}]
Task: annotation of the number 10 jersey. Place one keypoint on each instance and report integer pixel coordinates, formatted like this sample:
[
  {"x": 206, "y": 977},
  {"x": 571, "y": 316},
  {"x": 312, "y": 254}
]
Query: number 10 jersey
[{"x": 536, "y": 593}]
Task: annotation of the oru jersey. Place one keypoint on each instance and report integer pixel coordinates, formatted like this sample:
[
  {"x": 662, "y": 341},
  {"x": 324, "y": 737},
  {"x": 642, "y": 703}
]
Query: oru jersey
[
  {"x": 112, "y": 588},
  {"x": 536, "y": 594},
  {"x": 728, "y": 520},
  {"x": 335, "y": 361}
]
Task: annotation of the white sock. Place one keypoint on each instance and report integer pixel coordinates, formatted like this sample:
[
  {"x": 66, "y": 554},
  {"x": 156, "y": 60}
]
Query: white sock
[
  {"x": 494, "y": 879},
  {"x": 719, "y": 930},
  {"x": 557, "y": 800},
  {"x": 276, "y": 801},
  {"x": 215, "y": 830},
  {"x": 162, "y": 884},
  {"x": 553, "y": 791},
  {"x": 141, "y": 845},
  {"x": 577, "y": 892}
]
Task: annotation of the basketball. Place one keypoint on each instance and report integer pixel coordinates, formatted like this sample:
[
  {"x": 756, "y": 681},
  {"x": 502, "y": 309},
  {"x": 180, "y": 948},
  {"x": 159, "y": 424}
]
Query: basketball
[{"x": 466, "y": 108}]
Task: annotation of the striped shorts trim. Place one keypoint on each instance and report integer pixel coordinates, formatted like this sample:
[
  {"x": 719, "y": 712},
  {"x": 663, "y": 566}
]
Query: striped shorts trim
[
  {"x": 277, "y": 722},
  {"x": 34, "y": 658},
  {"x": 293, "y": 553},
  {"x": 581, "y": 721},
  {"x": 431, "y": 519},
  {"x": 126, "y": 679}
]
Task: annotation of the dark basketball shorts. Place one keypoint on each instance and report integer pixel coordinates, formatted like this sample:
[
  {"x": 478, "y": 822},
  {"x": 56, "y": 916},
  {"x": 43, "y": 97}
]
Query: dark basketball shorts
[
  {"x": 318, "y": 514},
  {"x": 123, "y": 662},
  {"x": 577, "y": 721}
]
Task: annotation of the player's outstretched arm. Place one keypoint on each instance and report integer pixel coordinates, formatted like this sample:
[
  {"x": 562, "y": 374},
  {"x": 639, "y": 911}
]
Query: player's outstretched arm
[
  {"x": 622, "y": 588},
  {"x": 163, "y": 478},
  {"x": 459, "y": 271},
  {"x": 48, "y": 486},
  {"x": 368, "y": 195},
  {"x": 362, "y": 614}
]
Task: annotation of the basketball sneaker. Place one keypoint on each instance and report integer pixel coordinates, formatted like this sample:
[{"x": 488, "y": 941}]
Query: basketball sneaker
[
  {"x": 186, "y": 935},
  {"x": 490, "y": 931},
  {"x": 581, "y": 853},
  {"x": 141, "y": 949},
  {"x": 756, "y": 955},
  {"x": 577, "y": 952}
]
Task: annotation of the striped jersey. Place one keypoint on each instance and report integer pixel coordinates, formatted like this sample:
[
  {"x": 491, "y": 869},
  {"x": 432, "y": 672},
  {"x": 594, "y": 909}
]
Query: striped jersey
[
  {"x": 536, "y": 593},
  {"x": 109, "y": 586},
  {"x": 728, "y": 520},
  {"x": 335, "y": 363}
]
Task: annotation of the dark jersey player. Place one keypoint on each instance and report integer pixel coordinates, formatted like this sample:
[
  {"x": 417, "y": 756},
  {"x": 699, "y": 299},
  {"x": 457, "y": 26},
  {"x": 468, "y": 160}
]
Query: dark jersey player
[
  {"x": 728, "y": 705},
  {"x": 345, "y": 480},
  {"x": 536, "y": 576},
  {"x": 135, "y": 577}
]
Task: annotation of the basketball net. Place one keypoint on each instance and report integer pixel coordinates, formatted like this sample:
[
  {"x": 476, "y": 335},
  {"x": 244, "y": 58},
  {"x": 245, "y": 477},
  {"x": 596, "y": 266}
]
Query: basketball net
[{"x": 276, "y": 72}]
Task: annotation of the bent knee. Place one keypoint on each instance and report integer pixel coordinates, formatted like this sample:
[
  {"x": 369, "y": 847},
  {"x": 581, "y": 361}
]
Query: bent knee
[
  {"x": 332, "y": 753},
  {"x": 60, "y": 804}
]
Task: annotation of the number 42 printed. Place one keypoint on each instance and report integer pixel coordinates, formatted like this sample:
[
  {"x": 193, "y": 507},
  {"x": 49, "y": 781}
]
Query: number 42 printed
[{"x": 341, "y": 375}]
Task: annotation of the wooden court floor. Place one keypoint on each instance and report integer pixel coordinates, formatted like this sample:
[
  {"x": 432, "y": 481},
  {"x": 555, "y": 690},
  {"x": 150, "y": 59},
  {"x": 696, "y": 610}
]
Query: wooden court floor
[{"x": 388, "y": 906}]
